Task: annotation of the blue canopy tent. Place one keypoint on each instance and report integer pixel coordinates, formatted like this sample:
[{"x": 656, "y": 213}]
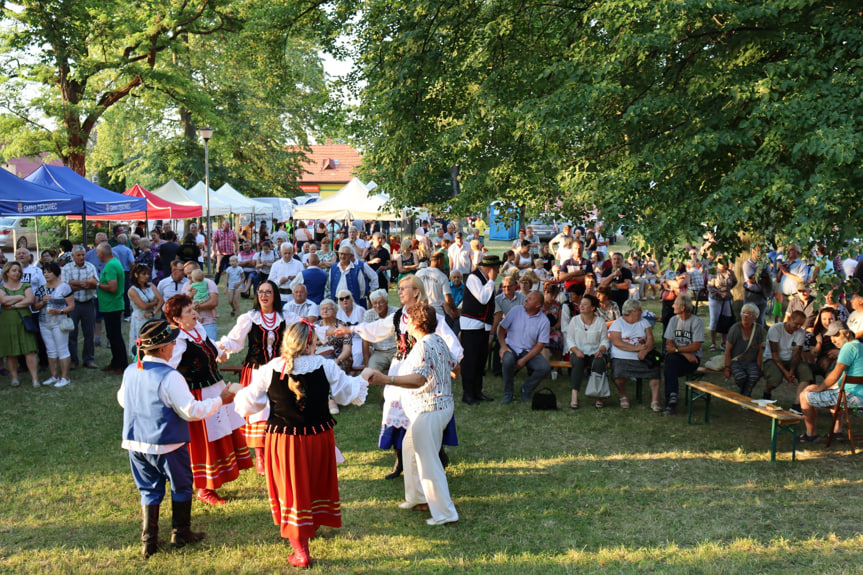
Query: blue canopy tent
[
  {"x": 22, "y": 198},
  {"x": 99, "y": 203}
]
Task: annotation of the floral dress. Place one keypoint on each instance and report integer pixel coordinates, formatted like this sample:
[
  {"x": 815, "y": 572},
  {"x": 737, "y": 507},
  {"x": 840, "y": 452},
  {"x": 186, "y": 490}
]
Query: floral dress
[{"x": 139, "y": 316}]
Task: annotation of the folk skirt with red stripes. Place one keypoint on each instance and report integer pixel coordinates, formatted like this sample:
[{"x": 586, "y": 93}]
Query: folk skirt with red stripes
[
  {"x": 303, "y": 483},
  {"x": 255, "y": 433},
  {"x": 218, "y": 462}
]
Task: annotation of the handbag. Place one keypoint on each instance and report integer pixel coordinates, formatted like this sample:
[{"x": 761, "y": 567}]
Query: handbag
[
  {"x": 544, "y": 400},
  {"x": 29, "y": 322},
  {"x": 597, "y": 385},
  {"x": 653, "y": 358},
  {"x": 724, "y": 323},
  {"x": 66, "y": 324}
]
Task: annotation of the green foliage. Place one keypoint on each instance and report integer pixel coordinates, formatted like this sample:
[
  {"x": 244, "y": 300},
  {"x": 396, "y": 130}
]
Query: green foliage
[{"x": 671, "y": 118}]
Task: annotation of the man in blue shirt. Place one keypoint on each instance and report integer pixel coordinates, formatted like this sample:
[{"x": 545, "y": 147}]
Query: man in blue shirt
[{"x": 523, "y": 334}]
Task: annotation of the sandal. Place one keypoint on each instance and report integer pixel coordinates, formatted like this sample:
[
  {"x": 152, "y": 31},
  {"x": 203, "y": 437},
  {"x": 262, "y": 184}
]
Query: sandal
[
  {"x": 655, "y": 406},
  {"x": 807, "y": 438},
  {"x": 15, "y": 383},
  {"x": 624, "y": 402},
  {"x": 598, "y": 404},
  {"x": 712, "y": 347},
  {"x": 573, "y": 405},
  {"x": 839, "y": 438}
]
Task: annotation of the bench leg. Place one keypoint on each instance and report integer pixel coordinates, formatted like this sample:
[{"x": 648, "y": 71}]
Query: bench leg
[
  {"x": 691, "y": 397},
  {"x": 775, "y": 431}
]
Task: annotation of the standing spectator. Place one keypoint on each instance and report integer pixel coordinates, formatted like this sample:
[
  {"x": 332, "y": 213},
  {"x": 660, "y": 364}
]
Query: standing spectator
[
  {"x": 58, "y": 303},
  {"x": 248, "y": 262},
  {"x": 803, "y": 301},
  {"x": 189, "y": 250},
  {"x": 460, "y": 255},
  {"x": 16, "y": 299},
  {"x": 314, "y": 279},
  {"x": 146, "y": 303},
  {"x": 33, "y": 275},
  {"x": 437, "y": 288},
  {"x": 719, "y": 290},
  {"x": 790, "y": 272},
  {"x": 280, "y": 234},
  {"x": 618, "y": 278},
  {"x": 126, "y": 257},
  {"x": 82, "y": 278},
  {"x": 378, "y": 258},
  {"x": 200, "y": 241},
  {"x": 302, "y": 235},
  {"x": 226, "y": 244},
  {"x": 206, "y": 310},
  {"x": 264, "y": 260},
  {"x": 111, "y": 306},
  {"x": 173, "y": 284},
  {"x": 476, "y": 320},
  {"x": 286, "y": 269},
  {"x": 168, "y": 251}
]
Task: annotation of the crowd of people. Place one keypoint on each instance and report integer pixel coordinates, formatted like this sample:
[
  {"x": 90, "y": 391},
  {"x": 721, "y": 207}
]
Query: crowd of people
[{"x": 321, "y": 315}]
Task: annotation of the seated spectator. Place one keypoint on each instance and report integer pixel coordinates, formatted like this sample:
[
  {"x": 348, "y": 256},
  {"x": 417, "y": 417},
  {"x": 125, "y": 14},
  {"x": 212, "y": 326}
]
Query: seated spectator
[
  {"x": 552, "y": 310},
  {"x": 819, "y": 351},
  {"x": 298, "y": 303},
  {"x": 632, "y": 340},
  {"x": 607, "y": 310},
  {"x": 569, "y": 309},
  {"x": 523, "y": 334},
  {"x": 849, "y": 362},
  {"x": 379, "y": 354},
  {"x": 684, "y": 336},
  {"x": 855, "y": 320},
  {"x": 744, "y": 350},
  {"x": 351, "y": 314},
  {"x": 803, "y": 301},
  {"x": 587, "y": 341},
  {"x": 528, "y": 282},
  {"x": 337, "y": 348},
  {"x": 783, "y": 360}
]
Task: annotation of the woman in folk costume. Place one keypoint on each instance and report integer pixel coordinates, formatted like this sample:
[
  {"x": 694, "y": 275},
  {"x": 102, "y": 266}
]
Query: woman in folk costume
[
  {"x": 394, "y": 421},
  {"x": 260, "y": 332},
  {"x": 217, "y": 447},
  {"x": 300, "y": 445}
]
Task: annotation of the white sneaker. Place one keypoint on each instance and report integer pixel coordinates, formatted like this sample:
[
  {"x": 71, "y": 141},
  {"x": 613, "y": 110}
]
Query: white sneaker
[
  {"x": 50, "y": 381},
  {"x": 62, "y": 382}
]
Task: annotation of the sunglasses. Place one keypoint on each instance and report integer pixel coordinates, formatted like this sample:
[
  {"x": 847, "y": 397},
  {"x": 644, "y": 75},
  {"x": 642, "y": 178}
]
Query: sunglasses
[{"x": 345, "y": 298}]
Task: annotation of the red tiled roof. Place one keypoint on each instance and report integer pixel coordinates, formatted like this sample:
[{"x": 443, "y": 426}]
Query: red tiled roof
[
  {"x": 330, "y": 163},
  {"x": 23, "y": 167}
]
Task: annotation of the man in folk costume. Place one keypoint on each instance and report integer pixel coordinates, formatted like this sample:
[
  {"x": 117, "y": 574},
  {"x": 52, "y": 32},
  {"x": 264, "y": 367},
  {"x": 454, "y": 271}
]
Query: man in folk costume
[
  {"x": 477, "y": 316},
  {"x": 157, "y": 405}
]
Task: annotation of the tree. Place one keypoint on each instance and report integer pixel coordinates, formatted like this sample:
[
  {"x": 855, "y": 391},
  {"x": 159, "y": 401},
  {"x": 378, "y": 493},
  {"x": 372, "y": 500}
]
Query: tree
[
  {"x": 672, "y": 117},
  {"x": 81, "y": 57},
  {"x": 264, "y": 87}
]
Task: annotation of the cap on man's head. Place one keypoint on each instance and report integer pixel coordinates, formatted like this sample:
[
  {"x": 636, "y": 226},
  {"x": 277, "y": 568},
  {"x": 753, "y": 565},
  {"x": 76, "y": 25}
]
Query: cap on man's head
[
  {"x": 156, "y": 333},
  {"x": 834, "y": 328}
]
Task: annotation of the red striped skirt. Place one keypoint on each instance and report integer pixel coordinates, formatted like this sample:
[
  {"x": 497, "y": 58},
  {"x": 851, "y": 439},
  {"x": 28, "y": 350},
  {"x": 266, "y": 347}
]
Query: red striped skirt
[
  {"x": 255, "y": 433},
  {"x": 303, "y": 483},
  {"x": 218, "y": 462}
]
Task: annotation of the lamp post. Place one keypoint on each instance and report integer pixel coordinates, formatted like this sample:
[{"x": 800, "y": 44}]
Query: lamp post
[{"x": 206, "y": 134}]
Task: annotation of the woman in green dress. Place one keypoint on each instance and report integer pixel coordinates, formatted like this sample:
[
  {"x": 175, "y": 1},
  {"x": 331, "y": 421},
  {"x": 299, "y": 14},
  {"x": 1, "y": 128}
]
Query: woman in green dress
[{"x": 16, "y": 298}]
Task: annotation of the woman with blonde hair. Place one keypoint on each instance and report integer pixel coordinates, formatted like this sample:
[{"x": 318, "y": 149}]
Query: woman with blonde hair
[
  {"x": 407, "y": 261},
  {"x": 302, "y": 480}
]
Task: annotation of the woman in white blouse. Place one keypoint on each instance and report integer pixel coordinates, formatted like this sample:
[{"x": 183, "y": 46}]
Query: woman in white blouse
[
  {"x": 587, "y": 338},
  {"x": 429, "y": 405}
]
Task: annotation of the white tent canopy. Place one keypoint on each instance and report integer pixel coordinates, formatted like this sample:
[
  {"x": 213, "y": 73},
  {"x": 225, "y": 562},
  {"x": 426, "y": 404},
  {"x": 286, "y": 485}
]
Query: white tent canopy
[
  {"x": 352, "y": 202},
  {"x": 218, "y": 207},
  {"x": 174, "y": 192},
  {"x": 229, "y": 195}
]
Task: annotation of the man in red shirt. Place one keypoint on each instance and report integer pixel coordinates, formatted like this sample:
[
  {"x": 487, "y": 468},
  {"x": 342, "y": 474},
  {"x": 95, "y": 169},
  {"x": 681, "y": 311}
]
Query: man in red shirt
[{"x": 226, "y": 244}]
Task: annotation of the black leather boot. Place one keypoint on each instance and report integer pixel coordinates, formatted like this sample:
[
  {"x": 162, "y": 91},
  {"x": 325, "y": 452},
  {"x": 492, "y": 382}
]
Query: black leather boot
[
  {"x": 149, "y": 530},
  {"x": 398, "y": 468},
  {"x": 444, "y": 458},
  {"x": 181, "y": 521}
]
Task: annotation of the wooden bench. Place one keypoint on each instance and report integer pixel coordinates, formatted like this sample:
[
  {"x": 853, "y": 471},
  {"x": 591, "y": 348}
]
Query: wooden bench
[{"x": 782, "y": 421}]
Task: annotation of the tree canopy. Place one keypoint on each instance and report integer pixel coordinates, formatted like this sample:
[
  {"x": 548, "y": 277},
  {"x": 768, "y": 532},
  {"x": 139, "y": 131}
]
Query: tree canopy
[{"x": 671, "y": 117}]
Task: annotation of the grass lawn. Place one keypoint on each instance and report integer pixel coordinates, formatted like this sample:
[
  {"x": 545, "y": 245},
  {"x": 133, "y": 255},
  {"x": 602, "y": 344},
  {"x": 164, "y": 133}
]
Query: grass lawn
[{"x": 593, "y": 491}]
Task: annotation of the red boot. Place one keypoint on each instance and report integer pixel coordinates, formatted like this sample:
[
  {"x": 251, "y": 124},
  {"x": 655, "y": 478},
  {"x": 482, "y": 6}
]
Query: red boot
[
  {"x": 300, "y": 557},
  {"x": 259, "y": 461},
  {"x": 210, "y": 497}
]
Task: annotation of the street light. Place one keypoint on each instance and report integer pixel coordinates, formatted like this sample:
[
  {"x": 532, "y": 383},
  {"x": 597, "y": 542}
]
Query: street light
[{"x": 206, "y": 134}]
